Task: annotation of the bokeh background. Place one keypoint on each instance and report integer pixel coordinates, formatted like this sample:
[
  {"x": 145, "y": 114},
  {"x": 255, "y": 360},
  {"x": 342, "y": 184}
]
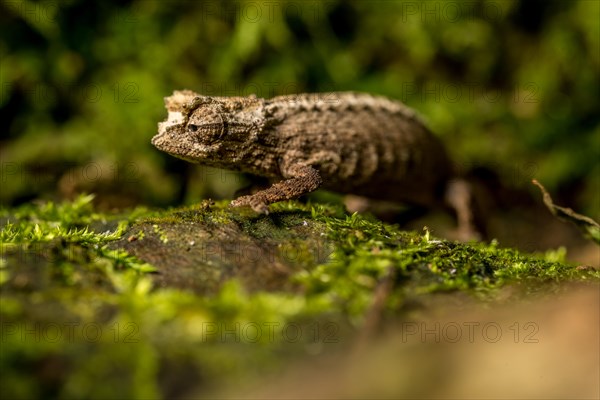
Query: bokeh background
[{"x": 509, "y": 85}]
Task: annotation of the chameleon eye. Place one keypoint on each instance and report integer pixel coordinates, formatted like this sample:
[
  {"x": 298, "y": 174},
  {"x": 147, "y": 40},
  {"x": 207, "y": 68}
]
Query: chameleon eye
[{"x": 206, "y": 125}]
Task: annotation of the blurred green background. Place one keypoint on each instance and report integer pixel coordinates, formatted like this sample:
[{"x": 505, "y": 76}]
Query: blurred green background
[{"x": 509, "y": 85}]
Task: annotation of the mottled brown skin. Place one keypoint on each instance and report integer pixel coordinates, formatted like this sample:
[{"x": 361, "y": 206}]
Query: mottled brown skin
[{"x": 345, "y": 142}]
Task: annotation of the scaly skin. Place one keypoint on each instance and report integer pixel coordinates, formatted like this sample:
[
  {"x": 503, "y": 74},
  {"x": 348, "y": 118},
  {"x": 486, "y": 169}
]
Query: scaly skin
[{"x": 345, "y": 142}]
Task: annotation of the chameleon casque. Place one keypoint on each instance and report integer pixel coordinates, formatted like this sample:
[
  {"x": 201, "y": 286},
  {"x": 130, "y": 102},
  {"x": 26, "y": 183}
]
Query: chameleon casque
[{"x": 346, "y": 142}]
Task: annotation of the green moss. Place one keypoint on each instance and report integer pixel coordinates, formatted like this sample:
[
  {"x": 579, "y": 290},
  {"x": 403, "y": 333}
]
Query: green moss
[{"x": 89, "y": 296}]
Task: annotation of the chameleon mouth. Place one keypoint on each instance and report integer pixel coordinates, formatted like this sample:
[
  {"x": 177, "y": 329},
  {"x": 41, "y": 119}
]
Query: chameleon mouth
[
  {"x": 169, "y": 132},
  {"x": 172, "y": 140},
  {"x": 164, "y": 142},
  {"x": 168, "y": 138}
]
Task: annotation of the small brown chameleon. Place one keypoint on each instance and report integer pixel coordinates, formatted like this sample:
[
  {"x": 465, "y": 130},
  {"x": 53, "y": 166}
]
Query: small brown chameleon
[{"x": 342, "y": 141}]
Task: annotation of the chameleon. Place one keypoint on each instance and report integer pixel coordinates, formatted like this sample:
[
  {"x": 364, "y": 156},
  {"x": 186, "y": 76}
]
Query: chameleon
[{"x": 346, "y": 142}]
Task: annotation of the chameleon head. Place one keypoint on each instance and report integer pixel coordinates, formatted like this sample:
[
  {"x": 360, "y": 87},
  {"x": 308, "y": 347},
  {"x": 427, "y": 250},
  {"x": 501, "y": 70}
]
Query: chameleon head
[
  {"x": 192, "y": 130},
  {"x": 207, "y": 130}
]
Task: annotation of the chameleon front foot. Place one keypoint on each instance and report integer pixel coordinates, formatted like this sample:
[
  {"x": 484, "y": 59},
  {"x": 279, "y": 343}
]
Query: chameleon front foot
[
  {"x": 251, "y": 201},
  {"x": 304, "y": 179}
]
